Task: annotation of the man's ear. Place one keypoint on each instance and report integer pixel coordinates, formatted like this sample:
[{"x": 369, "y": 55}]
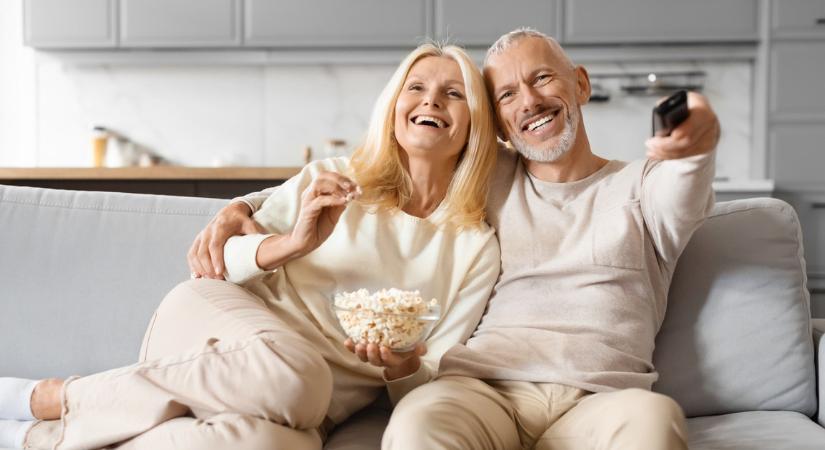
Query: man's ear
[{"x": 582, "y": 85}]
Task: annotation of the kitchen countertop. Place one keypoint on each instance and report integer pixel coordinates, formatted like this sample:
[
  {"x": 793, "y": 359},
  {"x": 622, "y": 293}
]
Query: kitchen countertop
[{"x": 244, "y": 173}]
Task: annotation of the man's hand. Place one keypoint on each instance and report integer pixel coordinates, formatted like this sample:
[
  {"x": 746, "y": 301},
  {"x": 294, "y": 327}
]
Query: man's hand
[
  {"x": 698, "y": 134},
  {"x": 396, "y": 365},
  {"x": 205, "y": 256}
]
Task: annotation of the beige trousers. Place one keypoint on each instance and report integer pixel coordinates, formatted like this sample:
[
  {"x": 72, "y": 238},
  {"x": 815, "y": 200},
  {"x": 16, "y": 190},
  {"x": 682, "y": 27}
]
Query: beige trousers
[
  {"x": 465, "y": 413},
  {"x": 218, "y": 370}
]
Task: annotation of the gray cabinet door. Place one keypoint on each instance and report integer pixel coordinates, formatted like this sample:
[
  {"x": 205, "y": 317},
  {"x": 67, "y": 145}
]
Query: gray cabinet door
[
  {"x": 617, "y": 21},
  {"x": 481, "y": 22},
  {"x": 798, "y": 18},
  {"x": 180, "y": 23},
  {"x": 798, "y": 154},
  {"x": 798, "y": 78},
  {"x": 336, "y": 23},
  {"x": 70, "y": 24}
]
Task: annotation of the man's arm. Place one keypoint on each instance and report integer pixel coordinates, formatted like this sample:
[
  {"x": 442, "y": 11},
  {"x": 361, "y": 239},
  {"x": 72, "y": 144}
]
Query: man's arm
[
  {"x": 677, "y": 190},
  {"x": 205, "y": 255}
]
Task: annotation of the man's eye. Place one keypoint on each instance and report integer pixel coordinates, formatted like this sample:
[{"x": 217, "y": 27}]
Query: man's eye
[
  {"x": 541, "y": 79},
  {"x": 505, "y": 95}
]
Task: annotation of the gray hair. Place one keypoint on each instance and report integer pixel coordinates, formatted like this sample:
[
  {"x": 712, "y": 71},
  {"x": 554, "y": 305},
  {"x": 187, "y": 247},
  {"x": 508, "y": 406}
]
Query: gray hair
[{"x": 507, "y": 40}]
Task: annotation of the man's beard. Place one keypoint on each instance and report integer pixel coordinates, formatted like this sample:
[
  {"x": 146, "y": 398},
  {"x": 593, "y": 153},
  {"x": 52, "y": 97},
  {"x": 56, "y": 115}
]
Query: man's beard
[{"x": 552, "y": 154}]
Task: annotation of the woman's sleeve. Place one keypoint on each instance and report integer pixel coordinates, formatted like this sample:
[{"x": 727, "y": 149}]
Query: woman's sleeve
[
  {"x": 277, "y": 214},
  {"x": 460, "y": 320}
]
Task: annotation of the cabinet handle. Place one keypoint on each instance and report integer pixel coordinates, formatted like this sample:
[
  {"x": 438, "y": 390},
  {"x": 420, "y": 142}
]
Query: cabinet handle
[
  {"x": 820, "y": 21},
  {"x": 818, "y": 205}
]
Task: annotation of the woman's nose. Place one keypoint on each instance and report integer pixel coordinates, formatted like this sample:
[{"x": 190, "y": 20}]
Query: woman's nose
[{"x": 431, "y": 99}]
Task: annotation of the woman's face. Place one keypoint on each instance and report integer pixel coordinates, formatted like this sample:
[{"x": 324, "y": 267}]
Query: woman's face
[{"x": 432, "y": 118}]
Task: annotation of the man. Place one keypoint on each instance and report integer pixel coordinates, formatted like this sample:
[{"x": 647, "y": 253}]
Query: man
[{"x": 563, "y": 356}]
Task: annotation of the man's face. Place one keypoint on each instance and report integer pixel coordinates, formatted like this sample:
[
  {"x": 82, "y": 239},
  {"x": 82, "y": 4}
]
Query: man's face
[{"x": 537, "y": 96}]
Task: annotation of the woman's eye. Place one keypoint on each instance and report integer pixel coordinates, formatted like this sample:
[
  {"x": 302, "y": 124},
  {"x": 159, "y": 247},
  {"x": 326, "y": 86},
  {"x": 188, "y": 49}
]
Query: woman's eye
[
  {"x": 455, "y": 94},
  {"x": 415, "y": 87}
]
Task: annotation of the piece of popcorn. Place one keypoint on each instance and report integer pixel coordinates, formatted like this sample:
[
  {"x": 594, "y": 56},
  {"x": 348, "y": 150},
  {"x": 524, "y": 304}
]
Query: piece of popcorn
[{"x": 389, "y": 317}]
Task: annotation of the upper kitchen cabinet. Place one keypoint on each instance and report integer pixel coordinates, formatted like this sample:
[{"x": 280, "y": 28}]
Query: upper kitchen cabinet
[
  {"x": 180, "y": 23},
  {"x": 798, "y": 18},
  {"x": 797, "y": 70},
  {"x": 458, "y": 20},
  {"x": 74, "y": 24},
  {"x": 660, "y": 21},
  {"x": 335, "y": 23}
]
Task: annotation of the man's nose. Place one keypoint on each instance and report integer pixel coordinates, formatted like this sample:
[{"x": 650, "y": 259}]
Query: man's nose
[{"x": 529, "y": 99}]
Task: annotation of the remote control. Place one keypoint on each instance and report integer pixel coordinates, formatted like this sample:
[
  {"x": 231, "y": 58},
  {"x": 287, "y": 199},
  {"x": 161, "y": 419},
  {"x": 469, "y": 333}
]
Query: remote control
[{"x": 670, "y": 113}]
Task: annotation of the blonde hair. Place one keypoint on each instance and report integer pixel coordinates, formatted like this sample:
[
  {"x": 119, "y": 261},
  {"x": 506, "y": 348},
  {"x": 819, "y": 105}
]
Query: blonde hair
[{"x": 377, "y": 165}]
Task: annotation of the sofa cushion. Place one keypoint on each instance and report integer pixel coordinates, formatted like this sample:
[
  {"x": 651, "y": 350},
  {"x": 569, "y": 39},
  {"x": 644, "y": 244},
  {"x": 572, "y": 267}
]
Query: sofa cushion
[
  {"x": 757, "y": 430},
  {"x": 81, "y": 273},
  {"x": 737, "y": 334}
]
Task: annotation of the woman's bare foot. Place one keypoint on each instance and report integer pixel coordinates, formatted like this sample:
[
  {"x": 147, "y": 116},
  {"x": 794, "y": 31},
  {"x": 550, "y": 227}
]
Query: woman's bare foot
[{"x": 45, "y": 402}]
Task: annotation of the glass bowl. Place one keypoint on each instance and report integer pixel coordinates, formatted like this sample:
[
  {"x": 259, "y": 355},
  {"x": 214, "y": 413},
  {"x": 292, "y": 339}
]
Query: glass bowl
[{"x": 400, "y": 331}]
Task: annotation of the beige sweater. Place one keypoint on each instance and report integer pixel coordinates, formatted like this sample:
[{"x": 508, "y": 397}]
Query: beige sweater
[
  {"x": 373, "y": 251},
  {"x": 586, "y": 267}
]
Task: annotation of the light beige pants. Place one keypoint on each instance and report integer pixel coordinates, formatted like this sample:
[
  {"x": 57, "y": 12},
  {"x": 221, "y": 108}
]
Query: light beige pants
[
  {"x": 465, "y": 413},
  {"x": 218, "y": 370}
]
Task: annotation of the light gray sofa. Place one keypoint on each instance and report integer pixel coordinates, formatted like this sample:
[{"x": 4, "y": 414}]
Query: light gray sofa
[{"x": 81, "y": 272}]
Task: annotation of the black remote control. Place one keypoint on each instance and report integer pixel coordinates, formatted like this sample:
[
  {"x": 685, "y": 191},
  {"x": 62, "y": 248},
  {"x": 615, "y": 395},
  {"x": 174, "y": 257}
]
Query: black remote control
[{"x": 670, "y": 113}]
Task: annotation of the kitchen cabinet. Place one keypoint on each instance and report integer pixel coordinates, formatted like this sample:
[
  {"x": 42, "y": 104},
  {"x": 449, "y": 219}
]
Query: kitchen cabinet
[
  {"x": 657, "y": 21},
  {"x": 460, "y": 22},
  {"x": 180, "y": 23},
  {"x": 336, "y": 23},
  {"x": 74, "y": 24},
  {"x": 797, "y": 75},
  {"x": 798, "y": 18},
  {"x": 797, "y": 154}
]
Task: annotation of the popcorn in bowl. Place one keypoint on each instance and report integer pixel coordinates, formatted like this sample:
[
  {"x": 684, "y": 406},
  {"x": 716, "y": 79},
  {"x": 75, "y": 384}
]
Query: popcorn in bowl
[{"x": 390, "y": 317}]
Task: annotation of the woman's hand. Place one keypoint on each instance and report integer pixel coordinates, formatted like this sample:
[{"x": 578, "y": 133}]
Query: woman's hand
[
  {"x": 322, "y": 204},
  {"x": 396, "y": 365}
]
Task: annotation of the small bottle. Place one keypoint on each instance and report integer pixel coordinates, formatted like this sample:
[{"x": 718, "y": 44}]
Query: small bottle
[
  {"x": 335, "y": 148},
  {"x": 100, "y": 140},
  {"x": 307, "y": 154}
]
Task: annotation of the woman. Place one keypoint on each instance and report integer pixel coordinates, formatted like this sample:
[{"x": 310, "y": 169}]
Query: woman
[{"x": 265, "y": 365}]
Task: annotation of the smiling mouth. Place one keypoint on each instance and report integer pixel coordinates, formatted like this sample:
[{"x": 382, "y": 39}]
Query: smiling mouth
[
  {"x": 541, "y": 122},
  {"x": 429, "y": 121}
]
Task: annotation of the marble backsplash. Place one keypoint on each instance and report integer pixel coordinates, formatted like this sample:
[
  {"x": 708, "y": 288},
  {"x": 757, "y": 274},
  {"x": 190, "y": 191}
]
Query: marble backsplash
[{"x": 203, "y": 115}]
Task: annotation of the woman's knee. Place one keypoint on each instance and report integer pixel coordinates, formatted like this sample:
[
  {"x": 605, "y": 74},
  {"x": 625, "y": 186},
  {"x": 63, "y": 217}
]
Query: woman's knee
[{"x": 291, "y": 381}]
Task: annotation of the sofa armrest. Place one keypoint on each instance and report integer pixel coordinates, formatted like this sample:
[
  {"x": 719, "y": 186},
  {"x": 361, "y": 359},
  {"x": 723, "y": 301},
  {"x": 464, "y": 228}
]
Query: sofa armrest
[{"x": 819, "y": 350}]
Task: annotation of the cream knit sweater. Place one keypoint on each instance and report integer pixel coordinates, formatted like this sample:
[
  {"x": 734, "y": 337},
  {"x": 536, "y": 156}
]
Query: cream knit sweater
[
  {"x": 373, "y": 251},
  {"x": 586, "y": 267}
]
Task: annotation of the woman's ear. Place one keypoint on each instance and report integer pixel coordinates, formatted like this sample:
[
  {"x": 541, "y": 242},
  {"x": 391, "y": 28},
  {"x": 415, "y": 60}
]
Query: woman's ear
[{"x": 583, "y": 89}]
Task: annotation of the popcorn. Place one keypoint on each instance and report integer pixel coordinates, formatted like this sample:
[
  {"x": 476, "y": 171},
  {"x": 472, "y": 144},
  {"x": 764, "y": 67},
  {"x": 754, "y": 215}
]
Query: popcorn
[{"x": 390, "y": 317}]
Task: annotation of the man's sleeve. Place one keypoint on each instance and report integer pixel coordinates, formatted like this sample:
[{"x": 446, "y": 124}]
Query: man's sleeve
[
  {"x": 460, "y": 320},
  {"x": 255, "y": 199},
  {"x": 677, "y": 196}
]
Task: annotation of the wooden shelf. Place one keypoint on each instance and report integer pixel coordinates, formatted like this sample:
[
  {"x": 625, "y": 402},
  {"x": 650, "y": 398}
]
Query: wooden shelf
[{"x": 149, "y": 173}]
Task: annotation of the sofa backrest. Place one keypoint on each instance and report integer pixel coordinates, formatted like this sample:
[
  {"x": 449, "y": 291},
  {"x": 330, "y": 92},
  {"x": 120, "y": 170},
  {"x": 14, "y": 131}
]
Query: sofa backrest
[
  {"x": 81, "y": 274},
  {"x": 737, "y": 333}
]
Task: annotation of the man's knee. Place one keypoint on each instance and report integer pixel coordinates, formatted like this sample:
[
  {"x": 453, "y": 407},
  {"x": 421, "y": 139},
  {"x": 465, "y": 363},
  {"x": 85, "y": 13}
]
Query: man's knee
[{"x": 646, "y": 407}]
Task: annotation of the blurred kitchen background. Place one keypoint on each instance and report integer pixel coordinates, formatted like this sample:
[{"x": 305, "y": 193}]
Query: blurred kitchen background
[{"x": 245, "y": 87}]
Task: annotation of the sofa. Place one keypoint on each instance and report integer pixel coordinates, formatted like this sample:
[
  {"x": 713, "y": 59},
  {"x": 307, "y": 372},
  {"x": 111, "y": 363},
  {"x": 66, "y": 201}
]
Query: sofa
[{"x": 81, "y": 273}]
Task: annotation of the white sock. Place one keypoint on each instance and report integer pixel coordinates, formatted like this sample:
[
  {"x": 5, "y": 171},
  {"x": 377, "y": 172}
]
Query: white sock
[
  {"x": 15, "y": 398},
  {"x": 13, "y": 433}
]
